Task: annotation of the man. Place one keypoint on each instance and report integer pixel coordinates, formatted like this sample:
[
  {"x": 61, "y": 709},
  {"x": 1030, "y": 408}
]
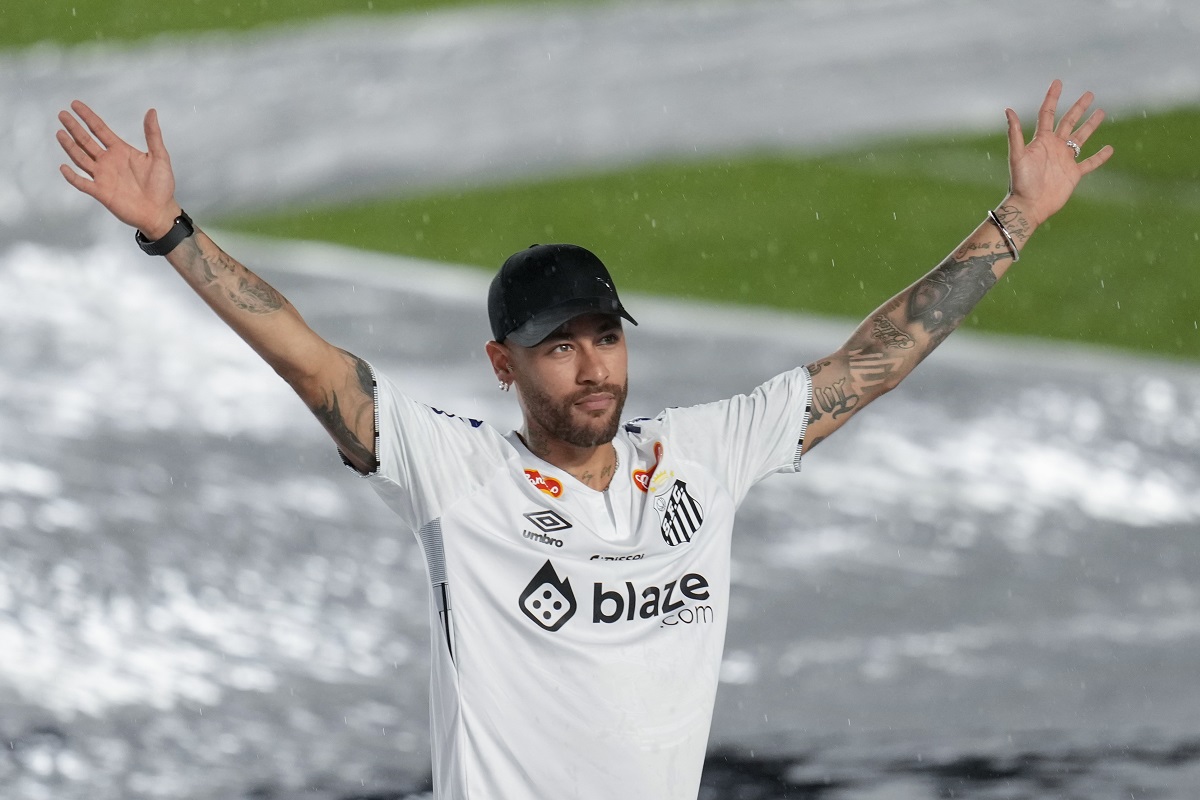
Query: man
[{"x": 578, "y": 568}]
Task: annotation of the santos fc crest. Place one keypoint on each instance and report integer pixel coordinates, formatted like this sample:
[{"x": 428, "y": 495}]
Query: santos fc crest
[{"x": 680, "y": 512}]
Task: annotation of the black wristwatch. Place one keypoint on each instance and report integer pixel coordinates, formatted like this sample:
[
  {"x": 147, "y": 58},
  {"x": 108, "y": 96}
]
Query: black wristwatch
[{"x": 182, "y": 229}]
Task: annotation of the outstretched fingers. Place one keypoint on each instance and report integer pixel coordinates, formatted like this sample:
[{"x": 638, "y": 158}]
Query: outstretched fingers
[
  {"x": 1069, "y": 120},
  {"x": 81, "y": 183},
  {"x": 78, "y": 156},
  {"x": 1016, "y": 138},
  {"x": 1095, "y": 160},
  {"x": 154, "y": 138},
  {"x": 1045, "y": 120},
  {"x": 81, "y": 138},
  {"x": 1088, "y": 127},
  {"x": 96, "y": 125}
]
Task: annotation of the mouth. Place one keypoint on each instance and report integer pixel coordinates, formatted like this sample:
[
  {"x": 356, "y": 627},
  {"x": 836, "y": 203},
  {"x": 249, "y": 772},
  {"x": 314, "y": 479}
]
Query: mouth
[{"x": 600, "y": 401}]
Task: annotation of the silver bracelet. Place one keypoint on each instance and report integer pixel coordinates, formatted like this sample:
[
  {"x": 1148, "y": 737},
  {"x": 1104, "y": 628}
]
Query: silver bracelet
[{"x": 1008, "y": 240}]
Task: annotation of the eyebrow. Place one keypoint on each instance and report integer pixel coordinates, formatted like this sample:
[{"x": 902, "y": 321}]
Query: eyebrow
[{"x": 560, "y": 335}]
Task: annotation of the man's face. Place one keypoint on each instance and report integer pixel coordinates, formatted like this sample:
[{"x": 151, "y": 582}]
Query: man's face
[{"x": 572, "y": 385}]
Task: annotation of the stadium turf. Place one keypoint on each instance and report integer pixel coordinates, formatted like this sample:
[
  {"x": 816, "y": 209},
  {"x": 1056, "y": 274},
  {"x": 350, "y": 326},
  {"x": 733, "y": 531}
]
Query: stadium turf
[
  {"x": 838, "y": 234},
  {"x": 832, "y": 234},
  {"x": 24, "y": 22}
]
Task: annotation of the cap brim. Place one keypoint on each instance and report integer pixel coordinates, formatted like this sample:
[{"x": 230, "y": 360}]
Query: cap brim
[{"x": 547, "y": 322}]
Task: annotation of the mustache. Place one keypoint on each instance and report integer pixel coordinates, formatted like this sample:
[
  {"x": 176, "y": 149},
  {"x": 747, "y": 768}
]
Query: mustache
[{"x": 608, "y": 388}]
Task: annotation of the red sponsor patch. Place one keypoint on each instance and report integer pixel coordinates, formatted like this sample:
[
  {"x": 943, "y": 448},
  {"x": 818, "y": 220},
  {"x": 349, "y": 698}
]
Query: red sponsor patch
[
  {"x": 642, "y": 477},
  {"x": 551, "y": 486}
]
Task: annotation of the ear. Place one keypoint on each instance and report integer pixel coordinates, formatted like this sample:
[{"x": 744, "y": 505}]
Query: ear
[{"x": 501, "y": 358}]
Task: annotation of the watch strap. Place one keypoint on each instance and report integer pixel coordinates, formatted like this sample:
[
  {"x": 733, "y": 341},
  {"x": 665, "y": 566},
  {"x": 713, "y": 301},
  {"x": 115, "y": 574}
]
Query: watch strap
[{"x": 182, "y": 229}]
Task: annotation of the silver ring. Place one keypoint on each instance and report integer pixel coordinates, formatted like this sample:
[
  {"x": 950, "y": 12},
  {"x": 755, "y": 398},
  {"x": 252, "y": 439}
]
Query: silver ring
[{"x": 1071, "y": 144}]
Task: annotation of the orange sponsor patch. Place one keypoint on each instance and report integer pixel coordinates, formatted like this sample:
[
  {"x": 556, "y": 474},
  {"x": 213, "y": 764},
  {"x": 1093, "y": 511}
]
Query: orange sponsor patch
[
  {"x": 642, "y": 477},
  {"x": 551, "y": 486}
]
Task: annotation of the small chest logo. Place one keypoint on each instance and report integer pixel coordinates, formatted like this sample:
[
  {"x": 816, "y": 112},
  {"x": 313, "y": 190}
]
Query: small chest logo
[
  {"x": 548, "y": 522},
  {"x": 548, "y": 599},
  {"x": 681, "y": 514},
  {"x": 547, "y": 485},
  {"x": 643, "y": 477}
]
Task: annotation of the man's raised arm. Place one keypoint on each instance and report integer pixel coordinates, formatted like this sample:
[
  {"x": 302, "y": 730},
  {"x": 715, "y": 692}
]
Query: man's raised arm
[
  {"x": 139, "y": 189},
  {"x": 901, "y": 332}
]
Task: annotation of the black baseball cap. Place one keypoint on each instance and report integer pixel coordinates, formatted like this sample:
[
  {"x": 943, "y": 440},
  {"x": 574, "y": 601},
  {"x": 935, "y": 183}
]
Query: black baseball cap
[{"x": 545, "y": 285}]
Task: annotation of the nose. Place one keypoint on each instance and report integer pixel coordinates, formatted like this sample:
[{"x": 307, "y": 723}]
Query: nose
[{"x": 592, "y": 369}]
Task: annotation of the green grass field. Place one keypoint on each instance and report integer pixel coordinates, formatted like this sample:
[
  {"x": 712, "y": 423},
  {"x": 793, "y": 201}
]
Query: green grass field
[
  {"x": 24, "y": 22},
  {"x": 840, "y": 234},
  {"x": 833, "y": 235}
]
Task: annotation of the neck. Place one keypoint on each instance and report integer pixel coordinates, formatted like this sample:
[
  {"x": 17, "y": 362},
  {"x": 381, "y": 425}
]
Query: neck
[{"x": 594, "y": 467}]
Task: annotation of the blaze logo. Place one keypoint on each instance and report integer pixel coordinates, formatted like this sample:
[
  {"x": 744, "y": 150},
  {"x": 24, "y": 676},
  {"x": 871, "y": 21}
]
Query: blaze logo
[
  {"x": 682, "y": 516},
  {"x": 548, "y": 599},
  {"x": 656, "y": 602},
  {"x": 642, "y": 477},
  {"x": 550, "y": 486}
]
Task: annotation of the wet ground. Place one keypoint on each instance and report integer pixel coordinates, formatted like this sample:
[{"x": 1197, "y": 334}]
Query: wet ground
[{"x": 983, "y": 588}]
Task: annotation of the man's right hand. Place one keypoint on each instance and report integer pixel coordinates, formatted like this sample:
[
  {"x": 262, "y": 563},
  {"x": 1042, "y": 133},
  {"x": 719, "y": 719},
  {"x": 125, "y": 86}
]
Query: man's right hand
[{"x": 137, "y": 188}]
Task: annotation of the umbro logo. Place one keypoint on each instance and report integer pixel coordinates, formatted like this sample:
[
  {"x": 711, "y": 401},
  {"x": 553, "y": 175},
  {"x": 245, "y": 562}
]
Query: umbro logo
[{"x": 547, "y": 521}]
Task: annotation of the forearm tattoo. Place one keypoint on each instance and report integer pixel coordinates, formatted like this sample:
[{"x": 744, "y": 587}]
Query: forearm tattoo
[
  {"x": 255, "y": 295},
  {"x": 886, "y": 333},
  {"x": 944, "y": 297},
  {"x": 1014, "y": 221},
  {"x": 890, "y": 344},
  {"x": 244, "y": 289}
]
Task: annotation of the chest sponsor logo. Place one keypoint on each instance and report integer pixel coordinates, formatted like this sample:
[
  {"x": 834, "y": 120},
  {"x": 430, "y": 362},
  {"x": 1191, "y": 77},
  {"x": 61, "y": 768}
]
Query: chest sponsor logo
[
  {"x": 544, "y": 483},
  {"x": 548, "y": 599},
  {"x": 668, "y": 603},
  {"x": 680, "y": 514},
  {"x": 550, "y": 602}
]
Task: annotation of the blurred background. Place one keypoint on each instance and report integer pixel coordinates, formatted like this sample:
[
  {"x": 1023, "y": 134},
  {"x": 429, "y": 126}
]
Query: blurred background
[{"x": 983, "y": 588}]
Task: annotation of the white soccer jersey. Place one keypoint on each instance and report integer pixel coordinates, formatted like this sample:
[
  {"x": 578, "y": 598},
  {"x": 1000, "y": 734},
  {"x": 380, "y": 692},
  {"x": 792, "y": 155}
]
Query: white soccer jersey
[{"x": 577, "y": 634}]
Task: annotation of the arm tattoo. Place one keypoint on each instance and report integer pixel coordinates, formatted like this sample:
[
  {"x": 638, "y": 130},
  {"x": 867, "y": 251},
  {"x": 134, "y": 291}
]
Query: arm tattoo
[
  {"x": 886, "y": 333},
  {"x": 256, "y": 296},
  {"x": 330, "y": 415},
  {"x": 251, "y": 294},
  {"x": 817, "y": 366},
  {"x": 197, "y": 263},
  {"x": 944, "y": 297},
  {"x": 1013, "y": 220},
  {"x": 834, "y": 400},
  {"x": 366, "y": 381}
]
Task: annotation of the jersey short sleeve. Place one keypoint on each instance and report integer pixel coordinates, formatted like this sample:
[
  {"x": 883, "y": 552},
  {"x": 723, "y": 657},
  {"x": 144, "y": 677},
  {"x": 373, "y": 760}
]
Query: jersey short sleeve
[
  {"x": 428, "y": 458},
  {"x": 750, "y": 436}
]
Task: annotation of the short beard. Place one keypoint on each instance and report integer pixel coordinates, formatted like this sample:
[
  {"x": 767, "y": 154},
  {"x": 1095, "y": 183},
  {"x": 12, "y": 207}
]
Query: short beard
[{"x": 555, "y": 421}]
